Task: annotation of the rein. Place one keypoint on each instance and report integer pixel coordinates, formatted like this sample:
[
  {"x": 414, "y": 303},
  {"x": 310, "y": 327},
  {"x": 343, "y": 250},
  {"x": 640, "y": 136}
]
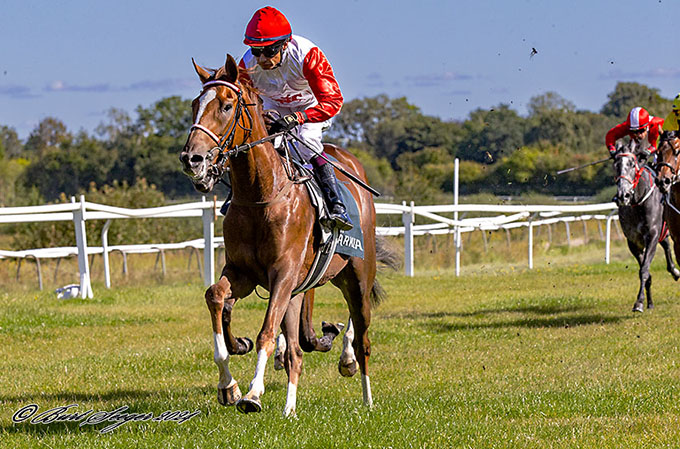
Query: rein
[{"x": 673, "y": 168}]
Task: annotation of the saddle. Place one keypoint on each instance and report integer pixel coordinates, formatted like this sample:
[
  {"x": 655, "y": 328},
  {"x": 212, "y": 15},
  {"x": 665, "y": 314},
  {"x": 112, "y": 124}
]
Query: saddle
[{"x": 350, "y": 243}]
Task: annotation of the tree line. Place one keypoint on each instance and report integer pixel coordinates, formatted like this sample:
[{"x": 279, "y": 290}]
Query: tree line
[{"x": 408, "y": 155}]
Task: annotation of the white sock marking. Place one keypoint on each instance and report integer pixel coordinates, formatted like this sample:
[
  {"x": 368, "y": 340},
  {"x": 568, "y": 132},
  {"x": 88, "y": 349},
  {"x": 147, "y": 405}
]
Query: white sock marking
[
  {"x": 222, "y": 360},
  {"x": 257, "y": 385},
  {"x": 291, "y": 399}
]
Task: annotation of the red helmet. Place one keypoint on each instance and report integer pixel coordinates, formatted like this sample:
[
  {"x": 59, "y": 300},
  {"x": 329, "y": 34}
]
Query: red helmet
[
  {"x": 267, "y": 27},
  {"x": 638, "y": 118}
]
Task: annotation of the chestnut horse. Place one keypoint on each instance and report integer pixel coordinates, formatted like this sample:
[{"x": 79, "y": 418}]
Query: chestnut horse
[
  {"x": 271, "y": 238},
  {"x": 667, "y": 180}
]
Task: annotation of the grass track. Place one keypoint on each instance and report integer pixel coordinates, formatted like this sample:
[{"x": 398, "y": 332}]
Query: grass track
[{"x": 540, "y": 359}]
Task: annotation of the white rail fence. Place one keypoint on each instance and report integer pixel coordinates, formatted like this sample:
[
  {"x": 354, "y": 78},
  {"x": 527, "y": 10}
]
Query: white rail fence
[{"x": 508, "y": 217}]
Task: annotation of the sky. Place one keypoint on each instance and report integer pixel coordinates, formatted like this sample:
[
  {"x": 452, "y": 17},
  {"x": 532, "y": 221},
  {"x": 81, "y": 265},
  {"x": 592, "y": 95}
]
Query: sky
[{"x": 77, "y": 59}]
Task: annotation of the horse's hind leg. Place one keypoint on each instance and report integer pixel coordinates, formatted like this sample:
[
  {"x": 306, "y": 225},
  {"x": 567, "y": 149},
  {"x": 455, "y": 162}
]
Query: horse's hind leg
[
  {"x": 357, "y": 291},
  {"x": 670, "y": 265},
  {"x": 228, "y": 392},
  {"x": 293, "y": 353},
  {"x": 348, "y": 365},
  {"x": 308, "y": 339}
]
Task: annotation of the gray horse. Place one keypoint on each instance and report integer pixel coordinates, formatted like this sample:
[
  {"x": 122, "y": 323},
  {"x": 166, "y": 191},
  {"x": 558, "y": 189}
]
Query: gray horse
[{"x": 641, "y": 217}]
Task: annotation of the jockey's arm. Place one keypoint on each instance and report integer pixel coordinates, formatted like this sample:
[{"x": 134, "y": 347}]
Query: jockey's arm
[
  {"x": 618, "y": 132},
  {"x": 319, "y": 74}
]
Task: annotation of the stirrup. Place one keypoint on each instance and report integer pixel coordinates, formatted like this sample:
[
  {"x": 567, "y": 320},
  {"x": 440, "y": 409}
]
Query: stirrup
[
  {"x": 341, "y": 220},
  {"x": 225, "y": 207}
]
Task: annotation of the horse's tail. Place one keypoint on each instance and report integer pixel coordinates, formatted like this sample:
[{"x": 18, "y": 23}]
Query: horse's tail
[{"x": 389, "y": 258}]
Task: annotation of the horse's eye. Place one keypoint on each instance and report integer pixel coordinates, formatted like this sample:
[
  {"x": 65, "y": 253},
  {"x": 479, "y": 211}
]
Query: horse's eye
[{"x": 227, "y": 107}]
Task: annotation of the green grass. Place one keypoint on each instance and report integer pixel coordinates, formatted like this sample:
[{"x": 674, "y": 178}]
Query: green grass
[{"x": 501, "y": 357}]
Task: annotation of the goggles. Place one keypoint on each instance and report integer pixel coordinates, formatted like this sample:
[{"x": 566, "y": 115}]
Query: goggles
[
  {"x": 268, "y": 52},
  {"x": 639, "y": 130}
]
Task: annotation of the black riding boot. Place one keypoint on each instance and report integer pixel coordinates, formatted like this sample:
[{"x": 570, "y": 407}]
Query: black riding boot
[{"x": 329, "y": 186}]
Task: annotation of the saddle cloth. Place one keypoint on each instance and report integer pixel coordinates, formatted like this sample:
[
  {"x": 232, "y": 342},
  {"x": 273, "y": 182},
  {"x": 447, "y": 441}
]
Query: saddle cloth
[{"x": 350, "y": 243}]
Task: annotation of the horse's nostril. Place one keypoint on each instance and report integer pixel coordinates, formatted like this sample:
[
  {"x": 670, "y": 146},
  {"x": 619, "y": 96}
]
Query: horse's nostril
[
  {"x": 197, "y": 159},
  {"x": 184, "y": 157}
]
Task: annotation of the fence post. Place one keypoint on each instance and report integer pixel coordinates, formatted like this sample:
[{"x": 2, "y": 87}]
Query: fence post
[
  {"x": 456, "y": 240},
  {"x": 408, "y": 219},
  {"x": 105, "y": 253},
  {"x": 608, "y": 237},
  {"x": 209, "y": 245},
  {"x": 531, "y": 242},
  {"x": 81, "y": 243}
]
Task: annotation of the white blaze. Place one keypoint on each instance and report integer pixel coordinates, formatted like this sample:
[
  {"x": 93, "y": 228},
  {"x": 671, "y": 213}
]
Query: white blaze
[{"x": 208, "y": 96}]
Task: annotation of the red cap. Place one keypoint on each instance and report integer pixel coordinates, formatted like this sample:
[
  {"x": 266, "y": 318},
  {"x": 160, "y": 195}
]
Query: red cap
[
  {"x": 266, "y": 27},
  {"x": 638, "y": 118}
]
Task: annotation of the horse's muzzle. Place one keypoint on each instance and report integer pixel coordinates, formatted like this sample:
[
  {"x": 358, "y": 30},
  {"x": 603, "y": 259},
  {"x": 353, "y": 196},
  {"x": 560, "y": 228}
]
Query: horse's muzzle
[
  {"x": 624, "y": 199},
  {"x": 195, "y": 166},
  {"x": 664, "y": 184}
]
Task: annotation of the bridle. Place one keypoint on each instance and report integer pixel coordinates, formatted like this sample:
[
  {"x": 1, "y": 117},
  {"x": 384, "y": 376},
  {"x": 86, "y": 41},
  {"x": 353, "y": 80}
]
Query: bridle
[
  {"x": 638, "y": 175},
  {"x": 667, "y": 198},
  {"x": 671, "y": 167},
  {"x": 224, "y": 145}
]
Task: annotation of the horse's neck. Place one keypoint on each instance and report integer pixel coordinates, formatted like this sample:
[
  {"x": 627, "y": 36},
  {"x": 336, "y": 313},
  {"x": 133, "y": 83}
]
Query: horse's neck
[{"x": 257, "y": 175}]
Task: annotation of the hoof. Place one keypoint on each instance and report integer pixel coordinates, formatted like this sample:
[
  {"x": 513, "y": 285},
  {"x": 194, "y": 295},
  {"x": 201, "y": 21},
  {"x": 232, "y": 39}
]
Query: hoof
[
  {"x": 278, "y": 361},
  {"x": 245, "y": 345},
  {"x": 229, "y": 395},
  {"x": 650, "y": 306},
  {"x": 638, "y": 308},
  {"x": 348, "y": 370},
  {"x": 249, "y": 405},
  {"x": 330, "y": 329}
]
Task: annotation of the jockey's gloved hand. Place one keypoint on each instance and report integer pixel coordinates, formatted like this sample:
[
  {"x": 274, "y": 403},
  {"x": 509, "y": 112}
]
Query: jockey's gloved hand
[
  {"x": 286, "y": 123},
  {"x": 644, "y": 154},
  {"x": 612, "y": 151}
]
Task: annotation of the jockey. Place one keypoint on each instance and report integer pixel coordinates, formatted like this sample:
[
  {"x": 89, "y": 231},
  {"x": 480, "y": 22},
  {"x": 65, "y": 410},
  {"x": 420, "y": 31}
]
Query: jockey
[
  {"x": 672, "y": 122},
  {"x": 641, "y": 127},
  {"x": 294, "y": 78}
]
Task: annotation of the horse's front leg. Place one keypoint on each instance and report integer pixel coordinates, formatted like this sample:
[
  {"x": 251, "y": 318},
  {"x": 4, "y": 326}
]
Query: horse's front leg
[
  {"x": 645, "y": 276},
  {"x": 279, "y": 300},
  {"x": 228, "y": 392}
]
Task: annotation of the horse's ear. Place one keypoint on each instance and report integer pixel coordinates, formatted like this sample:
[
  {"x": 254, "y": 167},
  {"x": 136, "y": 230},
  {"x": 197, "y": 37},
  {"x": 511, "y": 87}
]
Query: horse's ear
[
  {"x": 203, "y": 74},
  {"x": 231, "y": 69}
]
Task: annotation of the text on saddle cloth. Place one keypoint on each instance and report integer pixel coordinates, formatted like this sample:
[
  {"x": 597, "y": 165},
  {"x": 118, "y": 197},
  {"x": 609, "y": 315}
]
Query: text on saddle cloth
[{"x": 350, "y": 243}]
